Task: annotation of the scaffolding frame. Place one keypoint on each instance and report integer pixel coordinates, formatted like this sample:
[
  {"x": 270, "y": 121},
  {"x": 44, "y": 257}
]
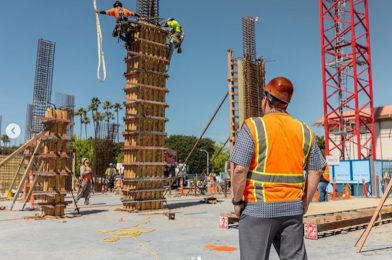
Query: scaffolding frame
[
  {"x": 246, "y": 80},
  {"x": 347, "y": 79}
]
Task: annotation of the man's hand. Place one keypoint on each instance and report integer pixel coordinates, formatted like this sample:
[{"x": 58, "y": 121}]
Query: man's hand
[
  {"x": 96, "y": 11},
  {"x": 238, "y": 209}
]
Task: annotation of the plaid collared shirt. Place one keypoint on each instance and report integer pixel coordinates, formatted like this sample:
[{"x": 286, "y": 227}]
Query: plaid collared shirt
[{"x": 242, "y": 154}]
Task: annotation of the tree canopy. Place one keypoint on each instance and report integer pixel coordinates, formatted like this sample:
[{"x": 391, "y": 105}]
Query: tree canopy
[{"x": 197, "y": 163}]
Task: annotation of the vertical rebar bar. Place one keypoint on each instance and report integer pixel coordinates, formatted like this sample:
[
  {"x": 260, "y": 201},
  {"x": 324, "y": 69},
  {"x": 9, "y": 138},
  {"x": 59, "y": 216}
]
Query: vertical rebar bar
[
  {"x": 148, "y": 10},
  {"x": 43, "y": 82}
]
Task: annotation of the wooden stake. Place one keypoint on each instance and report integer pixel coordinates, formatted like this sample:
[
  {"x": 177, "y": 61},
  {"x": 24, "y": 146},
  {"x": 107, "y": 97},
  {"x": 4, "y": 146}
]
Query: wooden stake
[
  {"x": 29, "y": 166},
  {"x": 20, "y": 149},
  {"x": 362, "y": 239}
]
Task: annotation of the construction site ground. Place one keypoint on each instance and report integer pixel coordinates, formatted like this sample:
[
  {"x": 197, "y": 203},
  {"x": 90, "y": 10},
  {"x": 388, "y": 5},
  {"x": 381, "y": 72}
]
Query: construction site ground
[{"x": 193, "y": 233}]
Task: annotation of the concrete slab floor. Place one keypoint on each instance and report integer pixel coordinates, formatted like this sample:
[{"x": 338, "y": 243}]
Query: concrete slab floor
[{"x": 195, "y": 225}]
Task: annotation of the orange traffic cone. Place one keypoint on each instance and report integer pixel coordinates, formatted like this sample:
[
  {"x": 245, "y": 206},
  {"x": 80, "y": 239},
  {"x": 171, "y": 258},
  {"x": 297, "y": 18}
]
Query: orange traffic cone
[
  {"x": 181, "y": 186},
  {"x": 32, "y": 202},
  {"x": 25, "y": 187},
  {"x": 334, "y": 190},
  {"x": 212, "y": 186},
  {"x": 347, "y": 194},
  {"x": 316, "y": 196},
  {"x": 365, "y": 191}
]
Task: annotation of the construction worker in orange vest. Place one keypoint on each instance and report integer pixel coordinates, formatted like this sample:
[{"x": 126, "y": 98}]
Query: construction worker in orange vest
[
  {"x": 86, "y": 182},
  {"x": 269, "y": 159},
  {"x": 322, "y": 186},
  {"x": 122, "y": 28}
]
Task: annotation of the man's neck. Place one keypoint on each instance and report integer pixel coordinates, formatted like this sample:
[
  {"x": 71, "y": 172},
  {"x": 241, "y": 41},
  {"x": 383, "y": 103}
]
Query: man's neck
[{"x": 269, "y": 110}]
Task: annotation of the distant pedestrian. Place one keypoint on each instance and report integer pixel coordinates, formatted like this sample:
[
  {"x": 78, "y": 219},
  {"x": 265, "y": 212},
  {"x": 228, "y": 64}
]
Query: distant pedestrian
[
  {"x": 86, "y": 179},
  {"x": 110, "y": 175},
  {"x": 269, "y": 193},
  {"x": 323, "y": 184},
  {"x": 385, "y": 180}
]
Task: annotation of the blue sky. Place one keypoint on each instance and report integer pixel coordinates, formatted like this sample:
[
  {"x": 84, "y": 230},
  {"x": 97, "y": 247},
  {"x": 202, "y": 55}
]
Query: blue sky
[{"x": 287, "y": 33}]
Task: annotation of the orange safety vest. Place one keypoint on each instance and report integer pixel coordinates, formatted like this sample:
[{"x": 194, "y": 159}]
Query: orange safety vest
[
  {"x": 118, "y": 12},
  {"x": 281, "y": 147},
  {"x": 325, "y": 175}
]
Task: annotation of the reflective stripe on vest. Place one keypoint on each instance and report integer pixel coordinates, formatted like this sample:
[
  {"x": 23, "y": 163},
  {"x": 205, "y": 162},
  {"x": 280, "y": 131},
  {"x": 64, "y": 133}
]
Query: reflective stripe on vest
[{"x": 277, "y": 175}]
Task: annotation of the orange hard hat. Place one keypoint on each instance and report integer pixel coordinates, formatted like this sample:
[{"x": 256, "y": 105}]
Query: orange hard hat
[{"x": 280, "y": 88}]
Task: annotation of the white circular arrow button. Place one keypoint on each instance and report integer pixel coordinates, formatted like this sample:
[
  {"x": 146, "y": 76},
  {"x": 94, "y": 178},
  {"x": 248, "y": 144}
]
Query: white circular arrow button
[{"x": 13, "y": 130}]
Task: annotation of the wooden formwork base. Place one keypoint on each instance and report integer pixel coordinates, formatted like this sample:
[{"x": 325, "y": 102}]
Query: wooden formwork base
[
  {"x": 145, "y": 212},
  {"x": 322, "y": 225},
  {"x": 48, "y": 217}
]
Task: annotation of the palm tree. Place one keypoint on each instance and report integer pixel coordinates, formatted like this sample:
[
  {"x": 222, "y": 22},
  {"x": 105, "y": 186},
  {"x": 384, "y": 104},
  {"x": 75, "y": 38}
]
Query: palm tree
[
  {"x": 107, "y": 105},
  {"x": 93, "y": 107},
  {"x": 108, "y": 116},
  {"x": 80, "y": 112},
  {"x": 117, "y": 107},
  {"x": 96, "y": 118},
  {"x": 5, "y": 139},
  {"x": 86, "y": 121}
]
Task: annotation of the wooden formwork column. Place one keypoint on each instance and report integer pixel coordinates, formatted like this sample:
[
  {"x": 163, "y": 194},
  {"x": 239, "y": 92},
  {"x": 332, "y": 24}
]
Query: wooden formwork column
[
  {"x": 145, "y": 119},
  {"x": 232, "y": 79},
  {"x": 52, "y": 162}
]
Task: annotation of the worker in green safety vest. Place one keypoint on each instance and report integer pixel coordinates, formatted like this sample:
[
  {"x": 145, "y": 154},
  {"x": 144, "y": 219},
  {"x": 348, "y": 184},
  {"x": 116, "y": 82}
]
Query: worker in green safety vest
[{"x": 176, "y": 36}]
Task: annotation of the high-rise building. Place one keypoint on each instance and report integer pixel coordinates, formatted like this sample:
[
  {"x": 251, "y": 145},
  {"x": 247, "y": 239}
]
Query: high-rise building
[
  {"x": 66, "y": 101},
  {"x": 42, "y": 83}
]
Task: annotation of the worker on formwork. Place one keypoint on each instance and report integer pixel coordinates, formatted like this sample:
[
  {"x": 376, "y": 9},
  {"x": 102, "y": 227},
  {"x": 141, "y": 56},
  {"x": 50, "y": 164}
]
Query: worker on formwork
[
  {"x": 176, "y": 36},
  {"x": 123, "y": 28},
  {"x": 323, "y": 184},
  {"x": 269, "y": 193},
  {"x": 86, "y": 178}
]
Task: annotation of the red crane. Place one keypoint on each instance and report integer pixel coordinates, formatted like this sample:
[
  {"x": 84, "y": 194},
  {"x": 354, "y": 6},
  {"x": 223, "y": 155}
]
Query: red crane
[{"x": 347, "y": 79}]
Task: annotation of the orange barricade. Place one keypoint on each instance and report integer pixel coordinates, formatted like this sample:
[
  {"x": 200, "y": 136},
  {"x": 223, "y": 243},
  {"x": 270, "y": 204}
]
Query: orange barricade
[
  {"x": 181, "y": 186},
  {"x": 25, "y": 190},
  {"x": 347, "y": 193},
  {"x": 365, "y": 191},
  {"x": 31, "y": 179}
]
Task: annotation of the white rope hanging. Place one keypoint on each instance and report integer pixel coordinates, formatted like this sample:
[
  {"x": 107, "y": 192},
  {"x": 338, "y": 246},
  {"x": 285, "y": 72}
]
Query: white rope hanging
[{"x": 101, "y": 70}]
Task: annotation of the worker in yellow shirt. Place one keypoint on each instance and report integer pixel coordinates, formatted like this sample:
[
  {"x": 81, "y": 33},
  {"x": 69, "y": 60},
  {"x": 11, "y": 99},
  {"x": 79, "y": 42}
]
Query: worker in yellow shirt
[
  {"x": 110, "y": 175},
  {"x": 176, "y": 36}
]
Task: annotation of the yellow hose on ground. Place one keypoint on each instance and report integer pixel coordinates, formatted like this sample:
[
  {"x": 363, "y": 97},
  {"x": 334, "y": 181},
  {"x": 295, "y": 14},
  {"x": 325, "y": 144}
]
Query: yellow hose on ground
[
  {"x": 101, "y": 57},
  {"x": 132, "y": 232}
]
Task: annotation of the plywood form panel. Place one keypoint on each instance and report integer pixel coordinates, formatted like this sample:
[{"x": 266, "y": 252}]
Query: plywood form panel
[{"x": 145, "y": 102}]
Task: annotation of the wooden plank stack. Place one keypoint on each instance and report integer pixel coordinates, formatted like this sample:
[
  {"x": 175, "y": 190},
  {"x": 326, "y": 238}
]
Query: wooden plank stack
[
  {"x": 145, "y": 119},
  {"x": 52, "y": 162}
]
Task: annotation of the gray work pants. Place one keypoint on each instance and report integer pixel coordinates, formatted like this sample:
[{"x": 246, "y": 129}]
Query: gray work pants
[{"x": 258, "y": 234}]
